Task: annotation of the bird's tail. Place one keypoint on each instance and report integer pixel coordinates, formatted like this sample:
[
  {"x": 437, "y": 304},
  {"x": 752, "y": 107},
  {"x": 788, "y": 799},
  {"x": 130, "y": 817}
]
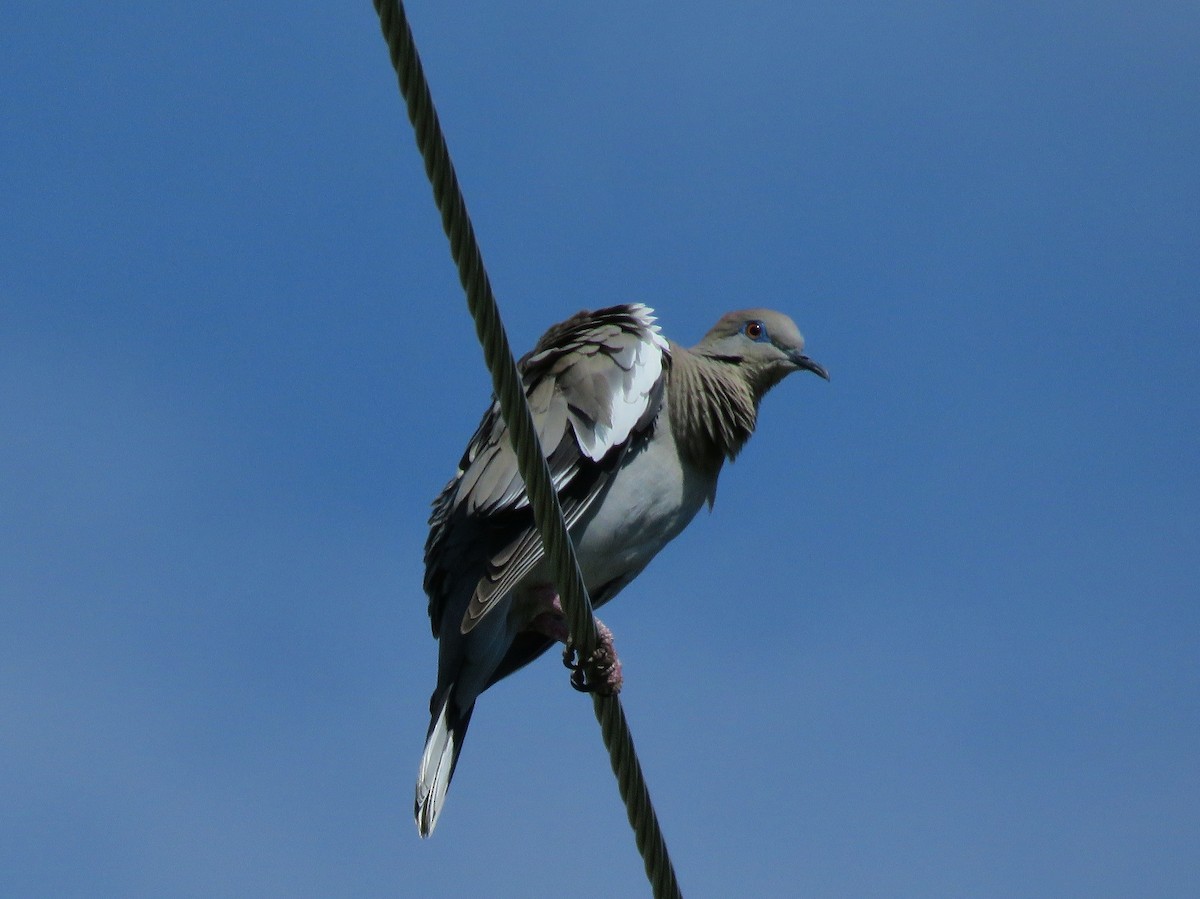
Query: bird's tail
[{"x": 444, "y": 742}]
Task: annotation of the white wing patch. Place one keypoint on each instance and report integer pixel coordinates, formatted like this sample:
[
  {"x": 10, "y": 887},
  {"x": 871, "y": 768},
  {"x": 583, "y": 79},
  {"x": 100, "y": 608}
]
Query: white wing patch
[{"x": 629, "y": 382}]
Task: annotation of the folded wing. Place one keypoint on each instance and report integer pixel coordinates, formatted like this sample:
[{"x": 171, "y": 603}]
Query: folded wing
[{"x": 594, "y": 385}]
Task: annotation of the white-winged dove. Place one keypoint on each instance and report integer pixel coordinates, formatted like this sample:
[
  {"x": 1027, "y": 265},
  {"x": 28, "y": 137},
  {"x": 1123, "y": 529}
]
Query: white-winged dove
[{"x": 635, "y": 429}]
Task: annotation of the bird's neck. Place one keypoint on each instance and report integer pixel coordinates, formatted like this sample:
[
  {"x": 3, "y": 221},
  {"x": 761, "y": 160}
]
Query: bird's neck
[{"x": 713, "y": 408}]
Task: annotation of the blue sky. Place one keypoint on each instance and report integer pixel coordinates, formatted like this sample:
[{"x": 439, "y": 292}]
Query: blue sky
[{"x": 941, "y": 634}]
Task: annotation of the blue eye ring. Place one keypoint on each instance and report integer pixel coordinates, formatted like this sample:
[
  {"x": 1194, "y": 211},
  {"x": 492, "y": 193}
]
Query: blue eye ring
[{"x": 756, "y": 331}]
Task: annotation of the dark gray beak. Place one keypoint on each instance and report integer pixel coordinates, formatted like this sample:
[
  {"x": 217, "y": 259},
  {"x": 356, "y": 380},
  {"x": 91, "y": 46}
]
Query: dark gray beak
[{"x": 803, "y": 362}]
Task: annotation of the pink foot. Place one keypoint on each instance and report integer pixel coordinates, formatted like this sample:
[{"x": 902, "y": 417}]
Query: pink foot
[{"x": 600, "y": 672}]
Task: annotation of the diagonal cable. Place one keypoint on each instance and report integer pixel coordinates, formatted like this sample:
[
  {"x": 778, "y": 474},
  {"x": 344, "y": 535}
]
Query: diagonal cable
[{"x": 531, "y": 461}]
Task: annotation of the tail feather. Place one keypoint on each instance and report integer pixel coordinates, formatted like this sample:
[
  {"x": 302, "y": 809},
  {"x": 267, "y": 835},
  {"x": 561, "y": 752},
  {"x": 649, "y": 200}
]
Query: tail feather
[{"x": 442, "y": 746}]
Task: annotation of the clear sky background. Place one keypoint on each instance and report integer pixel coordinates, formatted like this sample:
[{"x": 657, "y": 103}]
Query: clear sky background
[{"x": 941, "y": 634}]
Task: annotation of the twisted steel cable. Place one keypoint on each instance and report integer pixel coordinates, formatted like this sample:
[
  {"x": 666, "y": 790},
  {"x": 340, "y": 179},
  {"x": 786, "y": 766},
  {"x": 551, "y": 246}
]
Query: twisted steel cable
[{"x": 531, "y": 461}]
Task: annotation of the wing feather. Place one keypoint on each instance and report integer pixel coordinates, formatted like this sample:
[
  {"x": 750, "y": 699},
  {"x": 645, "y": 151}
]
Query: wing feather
[{"x": 594, "y": 384}]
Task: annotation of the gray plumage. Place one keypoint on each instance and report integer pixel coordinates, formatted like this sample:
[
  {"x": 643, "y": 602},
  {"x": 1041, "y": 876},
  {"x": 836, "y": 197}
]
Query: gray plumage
[{"x": 636, "y": 430}]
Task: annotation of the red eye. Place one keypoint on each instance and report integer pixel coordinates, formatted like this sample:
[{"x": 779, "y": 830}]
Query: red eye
[{"x": 755, "y": 330}]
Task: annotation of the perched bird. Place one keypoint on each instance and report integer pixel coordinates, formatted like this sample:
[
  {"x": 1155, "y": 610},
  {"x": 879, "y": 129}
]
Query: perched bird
[{"x": 635, "y": 429}]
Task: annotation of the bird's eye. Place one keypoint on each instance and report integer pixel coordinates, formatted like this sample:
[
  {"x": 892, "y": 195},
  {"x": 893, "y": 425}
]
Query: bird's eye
[{"x": 755, "y": 330}]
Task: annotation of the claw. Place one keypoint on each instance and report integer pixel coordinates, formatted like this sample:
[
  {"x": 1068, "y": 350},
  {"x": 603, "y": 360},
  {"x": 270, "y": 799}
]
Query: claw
[{"x": 601, "y": 672}]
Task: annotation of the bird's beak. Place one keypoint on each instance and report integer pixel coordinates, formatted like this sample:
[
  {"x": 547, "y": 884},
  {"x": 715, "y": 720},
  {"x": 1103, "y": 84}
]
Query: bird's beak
[{"x": 803, "y": 362}]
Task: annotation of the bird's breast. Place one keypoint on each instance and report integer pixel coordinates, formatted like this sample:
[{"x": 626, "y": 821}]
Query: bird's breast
[{"x": 649, "y": 501}]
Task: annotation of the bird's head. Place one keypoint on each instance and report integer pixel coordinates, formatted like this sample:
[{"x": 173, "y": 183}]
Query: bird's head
[{"x": 766, "y": 346}]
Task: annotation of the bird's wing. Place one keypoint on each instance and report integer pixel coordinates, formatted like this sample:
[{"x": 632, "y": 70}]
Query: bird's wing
[{"x": 594, "y": 385}]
